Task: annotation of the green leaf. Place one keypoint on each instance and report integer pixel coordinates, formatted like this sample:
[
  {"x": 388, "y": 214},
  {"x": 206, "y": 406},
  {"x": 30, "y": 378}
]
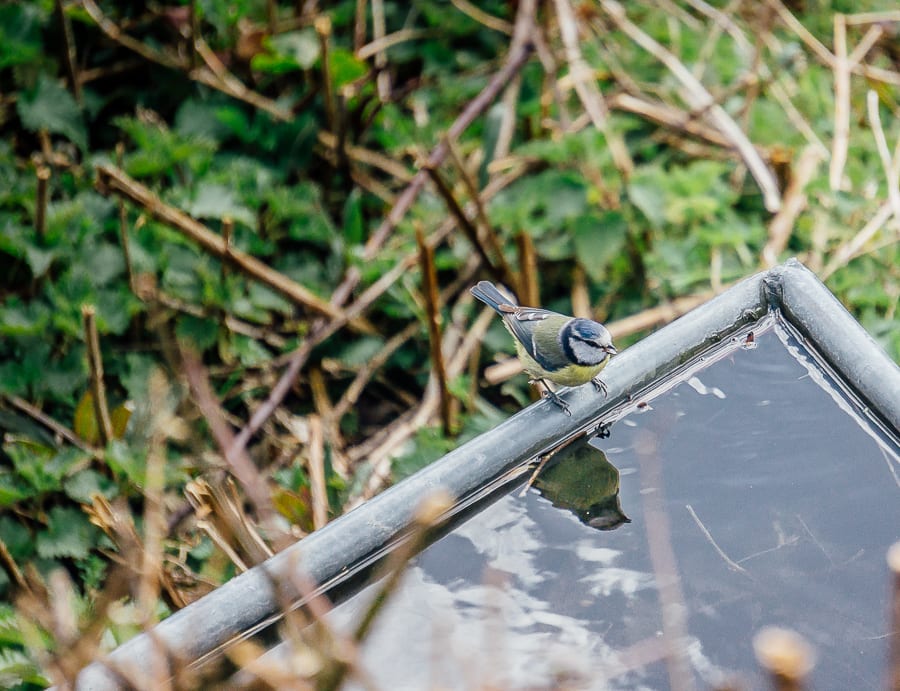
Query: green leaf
[
  {"x": 49, "y": 106},
  {"x": 346, "y": 67},
  {"x": 202, "y": 333},
  {"x": 20, "y": 34},
  {"x": 301, "y": 46},
  {"x": 598, "y": 241},
  {"x": 68, "y": 534}
]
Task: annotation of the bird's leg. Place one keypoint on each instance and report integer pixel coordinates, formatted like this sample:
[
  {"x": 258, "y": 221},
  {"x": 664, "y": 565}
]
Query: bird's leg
[
  {"x": 552, "y": 395},
  {"x": 600, "y": 386}
]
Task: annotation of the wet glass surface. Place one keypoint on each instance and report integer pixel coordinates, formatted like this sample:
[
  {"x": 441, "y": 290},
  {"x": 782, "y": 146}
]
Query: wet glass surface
[{"x": 751, "y": 492}]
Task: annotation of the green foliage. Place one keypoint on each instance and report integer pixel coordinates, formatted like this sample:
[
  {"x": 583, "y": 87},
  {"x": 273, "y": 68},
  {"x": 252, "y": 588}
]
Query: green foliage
[{"x": 687, "y": 216}]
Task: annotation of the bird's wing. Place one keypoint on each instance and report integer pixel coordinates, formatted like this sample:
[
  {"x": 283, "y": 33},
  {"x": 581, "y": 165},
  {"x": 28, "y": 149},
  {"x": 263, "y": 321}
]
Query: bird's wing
[{"x": 523, "y": 323}]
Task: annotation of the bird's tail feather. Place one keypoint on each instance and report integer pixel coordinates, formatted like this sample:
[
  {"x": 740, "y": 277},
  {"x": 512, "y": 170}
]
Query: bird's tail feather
[{"x": 488, "y": 293}]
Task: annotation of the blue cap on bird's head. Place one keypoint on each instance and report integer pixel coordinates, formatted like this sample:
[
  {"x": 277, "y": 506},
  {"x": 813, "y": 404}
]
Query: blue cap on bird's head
[{"x": 594, "y": 333}]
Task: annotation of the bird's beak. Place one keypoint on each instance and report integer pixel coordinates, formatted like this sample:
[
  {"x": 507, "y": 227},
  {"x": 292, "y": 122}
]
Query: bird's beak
[{"x": 611, "y": 349}]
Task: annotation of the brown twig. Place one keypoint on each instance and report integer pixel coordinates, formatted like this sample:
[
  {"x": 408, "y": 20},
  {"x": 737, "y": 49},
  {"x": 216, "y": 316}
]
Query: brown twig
[
  {"x": 316, "y": 469},
  {"x": 239, "y": 463},
  {"x": 69, "y": 55},
  {"x": 113, "y": 180},
  {"x": 383, "y": 79},
  {"x": 123, "y": 227},
  {"x": 40, "y": 209},
  {"x": 700, "y": 98},
  {"x": 841, "y": 104},
  {"x": 782, "y": 223},
  {"x": 428, "y": 515},
  {"x": 227, "y": 234},
  {"x": 321, "y": 331},
  {"x": 213, "y": 74},
  {"x": 890, "y": 163},
  {"x": 359, "y": 26},
  {"x": 587, "y": 90},
  {"x": 515, "y": 62},
  {"x": 432, "y": 309},
  {"x": 463, "y": 221},
  {"x": 528, "y": 291},
  {"x": 869, "y": 71},
  {"x": 95, "y": 360},
  {"x": 484, "y": 225},
  {"x": 57, "y": 428}
]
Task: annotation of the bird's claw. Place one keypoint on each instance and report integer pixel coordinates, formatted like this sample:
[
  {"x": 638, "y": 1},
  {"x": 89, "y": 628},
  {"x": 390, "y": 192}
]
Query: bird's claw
[
  {"x": 555, "y": 397},
  {"x": 600, "y": 386}
]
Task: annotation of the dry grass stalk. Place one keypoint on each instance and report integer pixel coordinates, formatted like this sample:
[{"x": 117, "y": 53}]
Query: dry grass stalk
[
  {"x": 515, "y": 61},
  {"x": 69, "y": 52},
  {"x": 848, "y": 249},
  {"x": 433, "y": 315},
  {"x": 212, "y": 74},
  {"x": 700, "y": 99},
  {"x": 95, "y": 361},
  {"x": 316, "y": 469},
  {"x": 586, "y": 88},
  {"x": 40, "y": 209},
  {"x": 113, "y": 180},
  {"x": 527, "y": 291},
  {"x": 891, "y": 164},
  {"x": 782, "y": 224}
]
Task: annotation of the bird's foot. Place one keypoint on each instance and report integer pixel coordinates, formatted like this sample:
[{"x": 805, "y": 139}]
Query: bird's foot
[
  {"x": 600, "y": 386},
  {"x": 603, "y": 430},
  {"x": 555, "y": 397}
]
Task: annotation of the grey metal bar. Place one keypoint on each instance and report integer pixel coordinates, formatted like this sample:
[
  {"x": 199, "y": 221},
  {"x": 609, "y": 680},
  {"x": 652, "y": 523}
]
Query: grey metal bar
[
  {"x": 251, "y": 598},
  {"x": 835, "y": 334}
]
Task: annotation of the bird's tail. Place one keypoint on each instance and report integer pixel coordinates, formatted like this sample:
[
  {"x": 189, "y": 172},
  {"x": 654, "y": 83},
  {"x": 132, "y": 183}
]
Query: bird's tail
[{"x": 488, "y": 293}]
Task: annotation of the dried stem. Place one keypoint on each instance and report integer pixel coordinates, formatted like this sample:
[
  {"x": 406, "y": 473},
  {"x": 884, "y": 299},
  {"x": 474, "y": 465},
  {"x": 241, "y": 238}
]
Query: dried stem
[
  {"x": 57, "y": 428},
  {"x": 69, "y": 54},
  {"x": 373, "y": 364},
  {"x": 239, "y": 463},
  {"x": 113, "y": 180},
  {"x": 40, "y": 209},
  {"x": 515, "y": 61},
  {"x": 890, "y": 164},
  {"x": 528, "y": 291},
  {"x": 213, "y": 74},
  {"x": 227, "y": 236},
  {"x": 701, "y": 99},
  {"x": 95, "y": 360},
  {"x": 782, "y": 223},
  {"x": 848, "y": 249},
  {"x": 316, "y": 469},
  {"x": 432, "y": 309},
  {"x": 463, "y": 221},
  {"x": 506, "y": 274},
  {"x": 586, "y": 87}
]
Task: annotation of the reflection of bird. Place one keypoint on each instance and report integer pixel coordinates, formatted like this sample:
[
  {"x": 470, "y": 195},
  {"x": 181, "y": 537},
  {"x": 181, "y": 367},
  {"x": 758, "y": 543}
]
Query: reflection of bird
[
  {"x": 581, "y": 480},
  {"x": 569, "y": 351}
]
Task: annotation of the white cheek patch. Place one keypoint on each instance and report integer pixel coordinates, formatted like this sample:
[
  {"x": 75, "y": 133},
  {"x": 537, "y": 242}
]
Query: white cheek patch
[{"x": 586, "y": 354}]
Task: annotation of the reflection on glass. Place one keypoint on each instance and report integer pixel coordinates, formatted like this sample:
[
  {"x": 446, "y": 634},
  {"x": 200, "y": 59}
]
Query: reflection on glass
[{"x": 581, "y": 480}]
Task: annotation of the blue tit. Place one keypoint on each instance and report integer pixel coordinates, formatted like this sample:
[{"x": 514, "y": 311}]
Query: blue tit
[{"x": 569, "y": 351}]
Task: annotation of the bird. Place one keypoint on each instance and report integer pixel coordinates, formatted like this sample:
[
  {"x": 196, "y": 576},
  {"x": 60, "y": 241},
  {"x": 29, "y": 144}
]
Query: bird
[{"x": 554, "y": 347}]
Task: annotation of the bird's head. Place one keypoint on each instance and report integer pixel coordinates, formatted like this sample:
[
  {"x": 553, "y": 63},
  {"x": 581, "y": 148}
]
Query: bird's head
[{"x": 587, "y": 342}]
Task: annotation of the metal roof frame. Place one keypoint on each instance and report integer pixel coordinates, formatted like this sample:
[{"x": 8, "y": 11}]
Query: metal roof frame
[{"x": 258, "y": 595}]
